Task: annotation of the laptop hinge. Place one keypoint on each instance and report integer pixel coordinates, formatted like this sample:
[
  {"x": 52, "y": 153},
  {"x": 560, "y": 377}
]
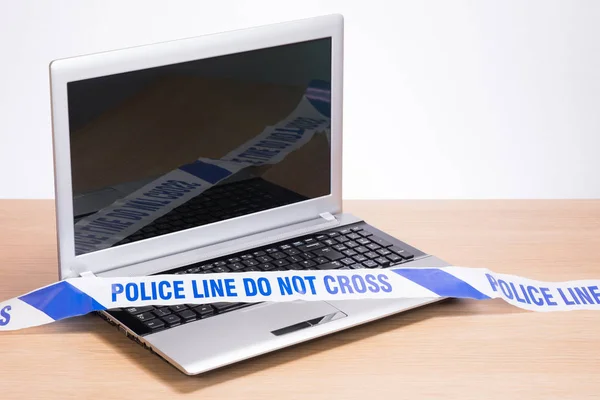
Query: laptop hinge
[
  {"x": 147, "y": 267},
  {"x": 327, "y": 216}
]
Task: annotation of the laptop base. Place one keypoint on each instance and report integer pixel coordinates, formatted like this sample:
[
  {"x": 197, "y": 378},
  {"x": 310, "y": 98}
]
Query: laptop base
[{"x": 196, "y": 339}]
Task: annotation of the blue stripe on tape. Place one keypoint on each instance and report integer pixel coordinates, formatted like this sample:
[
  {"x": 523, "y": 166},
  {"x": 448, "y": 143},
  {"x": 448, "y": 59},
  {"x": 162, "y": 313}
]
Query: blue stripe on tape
[
  {"x": 441, "y": 283},
  {"x": 62, "y": 300},
  {"x": 209, "y": 172}
]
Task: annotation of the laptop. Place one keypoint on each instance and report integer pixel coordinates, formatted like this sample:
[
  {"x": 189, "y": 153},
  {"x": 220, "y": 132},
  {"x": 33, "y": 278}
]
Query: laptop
[{"x": 220, "y": 153}]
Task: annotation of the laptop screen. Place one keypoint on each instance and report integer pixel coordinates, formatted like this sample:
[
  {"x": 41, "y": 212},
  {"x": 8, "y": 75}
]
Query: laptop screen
[{"x": 165, "y": 149}]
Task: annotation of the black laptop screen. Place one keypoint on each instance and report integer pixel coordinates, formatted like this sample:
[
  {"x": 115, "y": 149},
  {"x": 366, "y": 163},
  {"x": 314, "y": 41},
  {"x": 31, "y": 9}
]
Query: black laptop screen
[{"x": 170, "y": 148}]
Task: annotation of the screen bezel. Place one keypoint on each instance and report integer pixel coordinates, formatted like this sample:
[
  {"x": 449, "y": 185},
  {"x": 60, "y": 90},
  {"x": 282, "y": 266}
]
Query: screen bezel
[{"x": 96, "y": 65}]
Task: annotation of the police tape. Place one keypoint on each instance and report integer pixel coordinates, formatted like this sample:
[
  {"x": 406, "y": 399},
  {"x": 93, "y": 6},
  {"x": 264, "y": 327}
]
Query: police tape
[
  {"x": 128, "y": 215},
  {"x": 78, "y": 296}
]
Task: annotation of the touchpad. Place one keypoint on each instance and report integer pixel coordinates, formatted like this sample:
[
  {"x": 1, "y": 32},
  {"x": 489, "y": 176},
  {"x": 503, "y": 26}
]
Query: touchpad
[
  {"x": 237, "y": 332},
  {"x": 284, "y": 318}
]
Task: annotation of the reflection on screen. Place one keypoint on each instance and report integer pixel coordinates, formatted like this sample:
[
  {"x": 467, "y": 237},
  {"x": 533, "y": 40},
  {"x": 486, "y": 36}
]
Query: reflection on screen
[{"x": 161, "y": 150}]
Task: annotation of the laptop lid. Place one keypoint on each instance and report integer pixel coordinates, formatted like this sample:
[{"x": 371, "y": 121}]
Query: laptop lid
[{"x": 169, "y": 147}]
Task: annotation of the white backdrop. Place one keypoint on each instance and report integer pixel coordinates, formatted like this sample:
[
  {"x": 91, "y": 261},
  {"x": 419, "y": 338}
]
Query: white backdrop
[{"x": 443, "y": 99}]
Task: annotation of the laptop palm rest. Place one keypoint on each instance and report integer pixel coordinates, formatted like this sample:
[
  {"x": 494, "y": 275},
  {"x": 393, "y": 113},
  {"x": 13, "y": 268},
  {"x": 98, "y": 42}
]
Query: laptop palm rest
[{"x": 240, "y": 331}]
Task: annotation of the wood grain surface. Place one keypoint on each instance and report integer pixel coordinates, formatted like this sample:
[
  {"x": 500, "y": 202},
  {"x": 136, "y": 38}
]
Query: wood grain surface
[{"x": 457, "y": 349}]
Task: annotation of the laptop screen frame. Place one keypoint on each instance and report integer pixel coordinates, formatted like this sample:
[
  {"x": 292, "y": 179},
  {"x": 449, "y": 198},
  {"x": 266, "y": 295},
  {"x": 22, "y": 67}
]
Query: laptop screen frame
[{"x": 96, "y": 65}]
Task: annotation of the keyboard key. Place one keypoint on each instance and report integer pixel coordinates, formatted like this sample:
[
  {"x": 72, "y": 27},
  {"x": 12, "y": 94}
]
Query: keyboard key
[
  {"x": 285, "y": 247},
  {"x": 356, "y": 266},
  {"x": 266, "y": 267},
  {"x": 373, "y": 246},
  {"x": 291, "y": 252},
  {"x": 204, "y": 310},
  {"x": 320, "y": 260},
  {"x": 161, "y": 312},
  {"x": 308, "y": 264},
  {"x": 333, "y": 234},
  {"x": 309, "y": 240},
  {"x": 361, "y": 258},
  {"x": 264, "y": 259},
  {"x": 384, "y": 252},
  {"x": 237, "y": 266},
  {"x": 147, "y": 316},
  {"x": 353, "y": 236},
  {"x": 178, "y": 308},
  {"x": 361, "y": 249},
  {"x": 234, "y": 259},
  {"x": 349, "y": 253},
  {"x": 356, "y": 229},
  {"x": 278, "y": 255},
  {"x": 194, "y": 270},
  {"x": 223, "y": 307},
  {"x": 139, "y": 310},
  {"x": 246, "y": 256},
  {"x": 331, "y": 265},
  {"x": 363, "y": 241},
  {"x": 371, "y": 254},
  {"x": 328, "y": 253},
  {"x": 217, "y": 264},
  {"x": 365, "y": 233},
  {"x": 401, "y": 252},
  {"x": 155, "y": 324},
  {"x": 345, "y": 231},
  {"x": 321, "y": 237},
  {"x": 250, "y": 262},
  {"x": 298, "y": 243},
  {"x": 259, "y": 253},
  {"x": 272, "y": 250},
  {"x": 351, "y": 244},
  {"x": 384, "y": 262},
  {"x": 172, "y": 320},
  {"x": 339, "y": 247},
  {"x": 394, "y": 257},
  {"x": 329, "y": 242},
  {"x": 280, "y": 263},
  {"x": 295, "y": 259},
  {"x": 308, "y": 256},
  {"x": 381, "y": 242},
  {"x": 341, "y": 239},
  {"x": 370, "y": 264},
  {"x": 310, "y": 247},
  {"x": 347, "y": 261},
  {"x": 187, "y": 315}
]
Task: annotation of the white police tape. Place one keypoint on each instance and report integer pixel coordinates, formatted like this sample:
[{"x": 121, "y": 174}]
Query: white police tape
[
  {"x": 78, "y": 296},
  {"x": 131, "y": 213}
]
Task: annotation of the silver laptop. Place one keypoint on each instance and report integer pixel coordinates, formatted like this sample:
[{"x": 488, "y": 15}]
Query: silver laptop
[{"x": 220, "y": 153}]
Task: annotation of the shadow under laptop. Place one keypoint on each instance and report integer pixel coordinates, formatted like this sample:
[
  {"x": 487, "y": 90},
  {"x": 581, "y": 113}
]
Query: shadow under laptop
[{"x": 166, "y": 373}]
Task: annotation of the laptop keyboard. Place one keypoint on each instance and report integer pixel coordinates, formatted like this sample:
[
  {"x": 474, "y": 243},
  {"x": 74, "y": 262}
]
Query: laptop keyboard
[
  {"x": 216, "y": 204},
  {"x": 350, "y": 247}
]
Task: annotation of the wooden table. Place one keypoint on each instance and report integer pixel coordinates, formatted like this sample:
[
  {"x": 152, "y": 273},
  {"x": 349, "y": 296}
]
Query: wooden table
[{"x": 458, "y": 349}]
